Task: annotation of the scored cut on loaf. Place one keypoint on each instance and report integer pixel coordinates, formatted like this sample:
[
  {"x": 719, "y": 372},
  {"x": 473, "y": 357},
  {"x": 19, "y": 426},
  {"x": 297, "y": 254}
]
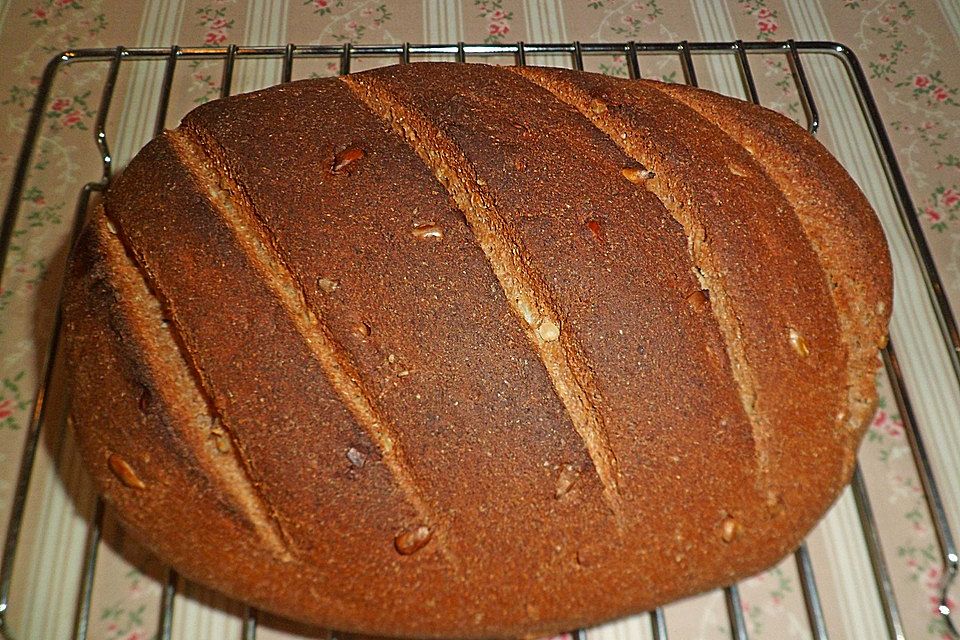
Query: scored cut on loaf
[{"x": 446, "y": 350}]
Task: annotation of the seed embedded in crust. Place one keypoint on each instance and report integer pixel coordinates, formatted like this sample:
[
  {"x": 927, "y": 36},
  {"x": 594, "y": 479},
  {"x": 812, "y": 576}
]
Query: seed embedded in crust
[
  {"x": 328, "y": 285},
  {"x": 356, "y": 457},
  {"x": 220, "y": 438},
  {"x": 730, "y": 529},
  {"x": 124, "y": 472},
  {"x": 698, "y": 300},
  {"x": 428, "y": 232},
  {"x": 346, "y": 157},
  {"x": 362, "y": 329},
  {"x": 637, "y": 175},
  {"x": 737, "y": 170},
  {"x": 798, "y": 343},
  {"x": 568, "y": 477},
  {"x": 548, "y": 330},
  {"x": 222, "y": 442},
  {"x": 595, "y": 228},
  {"x": 775, "y": 503},
  {"x": 598, "y": 107},
  {"x": 412, "y": 540}
]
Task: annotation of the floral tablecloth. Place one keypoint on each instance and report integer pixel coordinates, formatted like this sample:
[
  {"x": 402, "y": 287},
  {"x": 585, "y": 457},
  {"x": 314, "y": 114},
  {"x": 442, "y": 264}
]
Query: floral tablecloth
[{"x": 909, "y": 49}]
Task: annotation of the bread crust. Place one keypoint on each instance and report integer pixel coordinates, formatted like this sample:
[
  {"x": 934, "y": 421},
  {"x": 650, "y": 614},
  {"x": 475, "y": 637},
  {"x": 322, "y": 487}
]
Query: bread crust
[
  {"x": 732, "y": 213},
  {"x": 835, "y": 215},
  {"x": 375, "y": 433}
]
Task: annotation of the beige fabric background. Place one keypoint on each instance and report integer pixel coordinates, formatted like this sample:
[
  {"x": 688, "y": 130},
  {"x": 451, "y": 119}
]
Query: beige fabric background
[{"x": 909, "y": 49}]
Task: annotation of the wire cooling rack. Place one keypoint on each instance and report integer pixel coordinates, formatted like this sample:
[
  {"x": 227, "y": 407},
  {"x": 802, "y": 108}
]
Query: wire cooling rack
[{"x": 914, "y": 267}]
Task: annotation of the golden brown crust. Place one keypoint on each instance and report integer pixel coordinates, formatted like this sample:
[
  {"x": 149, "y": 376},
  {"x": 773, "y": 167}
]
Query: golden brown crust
[
  {"x": 760, "y": 269},
  {"x": 635, "y": 246},
  {"x": 462, "y": 355},
  {"x": 229, "y": 319},
  {"x": 835, "y": 216},
  {"x": 764, "y": 278},
  {"x": 532, "y": 301},
  {"x": 441, "y": 354},
  {"x": 163, "y": 468}
]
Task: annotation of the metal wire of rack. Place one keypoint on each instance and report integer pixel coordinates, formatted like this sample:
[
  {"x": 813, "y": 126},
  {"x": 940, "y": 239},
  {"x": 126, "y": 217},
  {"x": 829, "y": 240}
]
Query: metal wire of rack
[{"x": 574, "y": 53}]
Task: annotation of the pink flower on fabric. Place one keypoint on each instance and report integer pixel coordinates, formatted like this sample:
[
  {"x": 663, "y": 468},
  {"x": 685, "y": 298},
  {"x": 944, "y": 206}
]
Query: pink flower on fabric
[
  {"x": 218, "y": 23},
  {"x": 921, "y": 82},
  {"x": 932, "y": 214},
  {"x": 5, "y": 410},
  {"x": 950, "y": 197},
  {"x": 767, "y": 26},
  {"x": 940, "y": 94},
  {"x": 40, "y": 13},
  {"x": 71, "y": 118},
  {"x": 63, "y": 3},
  {"x": 935, "y": 601},
  {"x": 498, "y": 15},
  {"x": 320, "y": 4},
  {"x": 764, "y": 13},
  {"x": 60, "y": 104}
]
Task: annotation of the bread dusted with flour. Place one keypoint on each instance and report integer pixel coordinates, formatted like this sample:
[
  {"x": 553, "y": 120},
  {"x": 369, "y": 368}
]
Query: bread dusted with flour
[{"x": 449, "y": 350}]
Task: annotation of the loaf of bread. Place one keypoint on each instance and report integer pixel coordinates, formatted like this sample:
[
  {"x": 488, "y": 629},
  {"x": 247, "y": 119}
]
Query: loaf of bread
[{"x": 457, "y": 351}]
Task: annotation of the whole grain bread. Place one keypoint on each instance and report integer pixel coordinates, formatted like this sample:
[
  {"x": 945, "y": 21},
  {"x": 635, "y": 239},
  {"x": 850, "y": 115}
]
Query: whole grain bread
[{"x": 447, "y": 350}]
